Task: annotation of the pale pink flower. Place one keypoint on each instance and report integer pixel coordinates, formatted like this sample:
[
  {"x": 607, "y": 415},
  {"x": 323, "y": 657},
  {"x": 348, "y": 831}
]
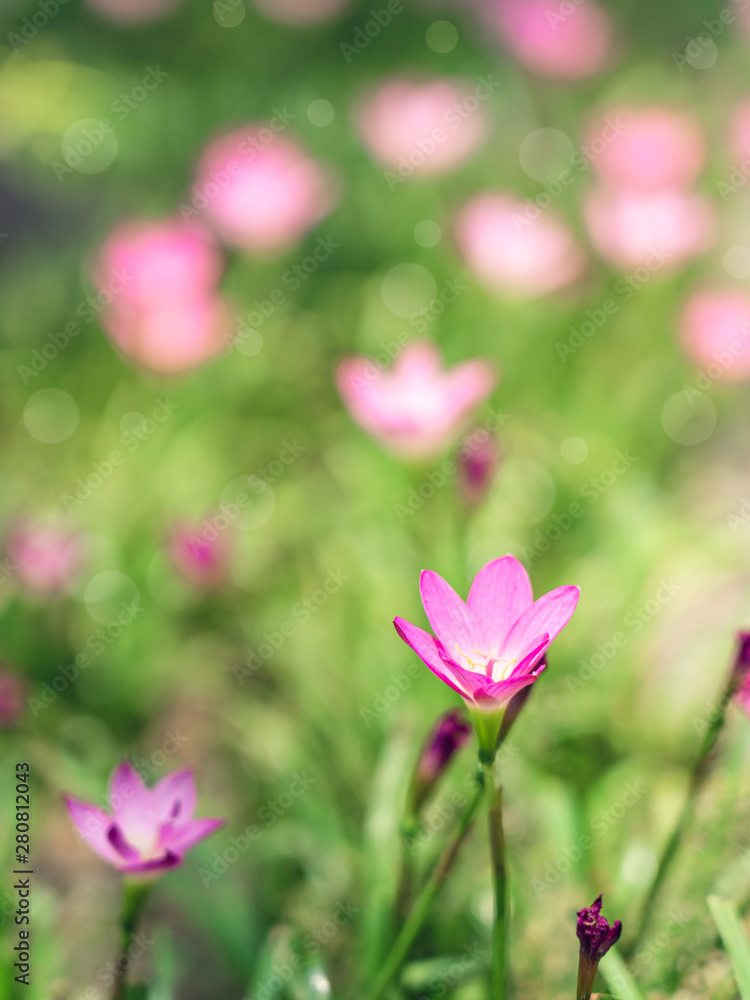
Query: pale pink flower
[
  {"x": 149, "y": 829},
  {"x": 655, "y": 147},
  {"x": 301, "y": 12},
  {"x": 165, "y": 312},
  {"x": 44, "y": 558},
  {"x": 516, "y": 247},
  {"x": 561, "y": 41},
  {"x": 715, "y": 331},
  {"x": 739, "y": 131},
  {"x": 202, "y": 560},
  {"x": 418, "y": 407},
  {"x": 660, "y": 229},
  {"x": 261, "y": 191},
  {"x": 134, "y": 11},
  {"x": 428, "y": 127}
]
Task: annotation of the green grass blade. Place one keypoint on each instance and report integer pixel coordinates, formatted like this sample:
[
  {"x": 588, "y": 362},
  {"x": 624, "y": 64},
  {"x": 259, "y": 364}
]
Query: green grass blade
[
  {"x": 619, "y": 977},
  {"x": 727, "y": 920}
]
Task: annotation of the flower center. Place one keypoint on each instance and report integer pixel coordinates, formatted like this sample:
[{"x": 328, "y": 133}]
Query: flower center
[{"x": 486, "y": 663}]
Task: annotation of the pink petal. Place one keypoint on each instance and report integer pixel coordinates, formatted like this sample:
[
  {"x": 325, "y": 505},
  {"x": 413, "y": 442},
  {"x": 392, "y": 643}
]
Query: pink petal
[
  {"x": 499, "y": 595},
  {"x": 428, "y": 650},
  {"x": 174, "y": 796},
  {"x": 186, "y": 836},
  {"x": 530, "y": 656},
  {"x": 452, "y": 622},
  {"x": 93, "y": 825},
  {"x": 550, "y": 614},
  {"x": 166, "y": 862},
  {"x": 132, "y": 803},
  {"x": 502, "y": 691}
]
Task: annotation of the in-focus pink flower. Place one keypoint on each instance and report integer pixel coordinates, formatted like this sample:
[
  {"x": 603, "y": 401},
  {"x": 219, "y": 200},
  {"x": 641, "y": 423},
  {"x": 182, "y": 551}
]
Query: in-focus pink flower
[
  {"x": 515, "y": 251},
  {"x": 489, "y": 648},
  {"x": 426, "y": 127},
  {"x": 301, "y": 12},
  {"x": 659, "y": 229},
  {"x": 202, "y": 560},
  {"x": 418, "y": 407},
  {"x": 561, "y": 41},
  {"x": 149, "y": 829},
  {"x": 159, "y": 281},
  {"x": 11, "y": 699},
  {"x": 134, "y": 11},
  {"x": 654, "y": 147},
  {"x": 44, "y": 557},
  {"x": 715, "y": 331},
  {"x": 261, "y": 191}
]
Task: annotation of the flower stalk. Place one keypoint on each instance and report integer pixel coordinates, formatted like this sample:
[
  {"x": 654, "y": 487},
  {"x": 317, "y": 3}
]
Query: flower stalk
[
  {"x": 500, "y": 887},
  {"x": 135, "y": 895}
]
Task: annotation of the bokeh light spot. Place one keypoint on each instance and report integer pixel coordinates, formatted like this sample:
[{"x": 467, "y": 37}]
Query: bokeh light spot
[{"x": 51, "y": 416}]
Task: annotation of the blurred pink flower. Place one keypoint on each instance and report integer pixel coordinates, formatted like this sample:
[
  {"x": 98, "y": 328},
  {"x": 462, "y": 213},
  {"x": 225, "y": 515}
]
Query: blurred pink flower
[
  {"x": 149, "y": 830},
  {"x": 418, "y": 407},
  {"x": 489, "y": 648},
  {"x": 659, "y": 229},
  {"x": 11, "y": 699},
  {"x": 44, "y": 557},
  {"x": 739, "y": 130},
  {"x": 426, "y": 127},
  {"x": 166, "y": 313},
  {"x": 261, "y": 191},
  {"x": 517, "y": 251},
  {"x": 478, "y": 461},
  {"x": 656, "y": 147},
  {"x": 715, "y": 331},
  {"x": 562, "y": 41},
  {"x": 134, "y": 11},
  {"x": 201, "y": 560},
  {"x": 301, "y": 11}
]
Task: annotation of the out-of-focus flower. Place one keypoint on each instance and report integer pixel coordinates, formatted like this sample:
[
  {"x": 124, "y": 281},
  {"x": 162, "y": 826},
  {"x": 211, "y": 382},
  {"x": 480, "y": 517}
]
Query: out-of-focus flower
[
  {"x": 658, "y": 229},
  {"x": 596, "y": 937},
  {"x": 509, "y": 250},
  {"x": 44, "y": 557},
  {"x": 450, "y": 734},
  {"x": 739, "y": 678},
  {"x": 202, "y": 561},
  {"x": 655, "y": 147},
  {"x": 715, "y": 331},
  {"x": 739, "y": 131},
  {"x": 165, "y": 313},
  {"x": 133, "y": 11},
  {"x": 11, "y": 699},
  {"x": 418, "y": 407},
  {"x": 490, "y": 647},
  {"x": 301, "y": 11},
  {"x": 425, "y": 128},
  {"x": 561, "y": 41},
  {"x": 261, "y": 190},
  {"x": 478, "y": 459},
  {"x": 149, "y": 829}
]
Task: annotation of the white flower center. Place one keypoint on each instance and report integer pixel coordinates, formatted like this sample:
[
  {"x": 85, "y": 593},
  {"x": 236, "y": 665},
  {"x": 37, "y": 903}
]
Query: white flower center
[{"x": 485, "y": 663}]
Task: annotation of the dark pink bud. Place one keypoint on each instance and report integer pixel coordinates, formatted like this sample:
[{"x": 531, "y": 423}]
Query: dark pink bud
[
  {"x": 11, "y": 699},
  {"x": 478, "y": 461},
  {"x": 201, "y": 552},
  {"x": 450, "y": 733},
  {"x": 596, "y": 936}
]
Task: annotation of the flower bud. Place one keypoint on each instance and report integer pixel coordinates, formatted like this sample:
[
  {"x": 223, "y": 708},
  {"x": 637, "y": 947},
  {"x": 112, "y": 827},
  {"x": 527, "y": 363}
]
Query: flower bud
[
  {"x": 478, "y": 460},
  {"x": 596, "y": 937},
  {"x": 449, "y": 734}
]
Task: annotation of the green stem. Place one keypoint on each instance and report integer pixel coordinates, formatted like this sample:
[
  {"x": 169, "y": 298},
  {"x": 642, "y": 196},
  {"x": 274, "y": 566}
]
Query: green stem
[
  {"x": 425, "y": 899},
  {"x": 500, "y": 885},
  {"x": 698, "y": 775},
  {"x": 135, "y": 895}
]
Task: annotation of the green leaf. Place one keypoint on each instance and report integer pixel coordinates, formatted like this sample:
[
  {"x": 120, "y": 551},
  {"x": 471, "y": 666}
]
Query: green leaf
[
  {"x": 727, "y": 920},
  {"x": 619, "y": 976}
]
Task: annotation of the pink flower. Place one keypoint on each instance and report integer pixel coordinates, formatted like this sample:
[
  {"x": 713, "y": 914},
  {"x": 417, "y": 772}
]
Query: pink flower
[
  {"x": 477, "y": 463},
  {"x": 11, "y": 699},
  {"x": 150, "y": 829},
  {"x": 739, "y": 129},
  {"x": 261, "y": 190},
  {"x": 133, "y": 11},
  {"x": 658, "y": 147},
  {"x": 159, "y": 283},
  {"x": 418, "y": 407},
  {"x": 660, "y": 229},
  {"x": 44, "y": 557},
  {"x": 559, "y": 41},
  {"x": 301, "y": 11},
  {"x": 715, "y": 331},
  {"x": 489, "y": 648},
  {"x": 510, "y": 250},
  {"x": 202, "y": 561},
  {"x": 423, "y": 128}
]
